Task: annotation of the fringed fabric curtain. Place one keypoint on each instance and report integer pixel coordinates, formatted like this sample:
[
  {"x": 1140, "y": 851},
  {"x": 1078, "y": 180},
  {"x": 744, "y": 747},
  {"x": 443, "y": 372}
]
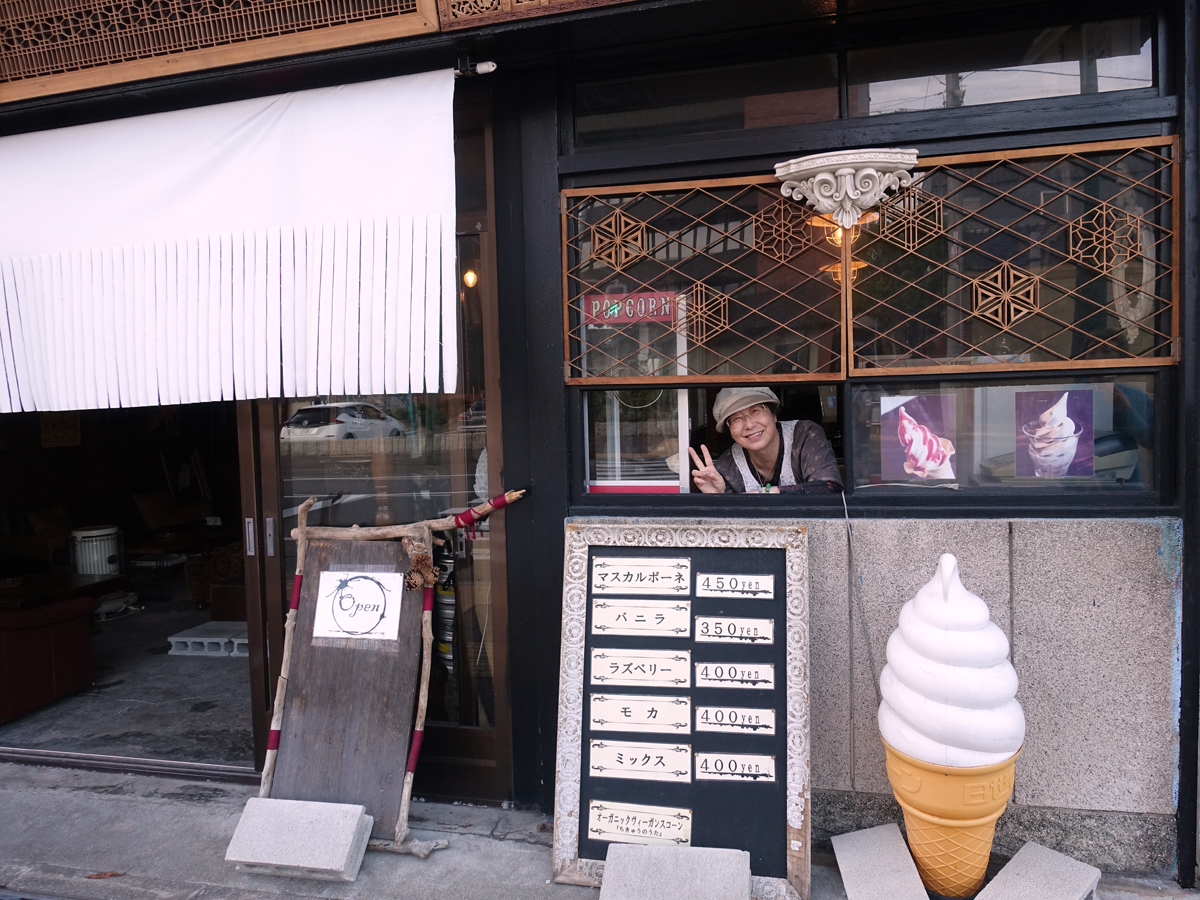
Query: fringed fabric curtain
[{"x": 289, "y": 246}]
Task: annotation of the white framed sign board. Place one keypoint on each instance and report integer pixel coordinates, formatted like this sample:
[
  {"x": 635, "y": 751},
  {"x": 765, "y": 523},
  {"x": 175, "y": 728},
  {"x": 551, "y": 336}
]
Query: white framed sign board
[{"x": 683, "y": 715}]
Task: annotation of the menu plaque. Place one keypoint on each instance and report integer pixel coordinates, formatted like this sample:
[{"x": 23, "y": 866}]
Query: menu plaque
[
  {"x": 645, "y": 713},
  {"x": 735, "y": 719},
  {"x": 735, "y": 675},
  {"x": 647, "y": 668},
  {"x": 625, "y": 576},
  {"x": 683, "y": 710},
  {"x": 640, "y": 761},
  {"x": 728, "y": 630},
  {"x": 633, "y": 823},
  {"x": 653, "y": 618},
  {"x": 734, "y": 767}
]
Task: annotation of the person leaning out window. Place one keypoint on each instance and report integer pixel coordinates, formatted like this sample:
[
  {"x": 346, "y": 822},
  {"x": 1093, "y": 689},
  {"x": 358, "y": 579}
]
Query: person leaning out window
[{"x": 768, "y": 456}]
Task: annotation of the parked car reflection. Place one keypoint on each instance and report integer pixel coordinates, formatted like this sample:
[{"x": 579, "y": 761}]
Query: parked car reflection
[{"x": 341, "y": 421}]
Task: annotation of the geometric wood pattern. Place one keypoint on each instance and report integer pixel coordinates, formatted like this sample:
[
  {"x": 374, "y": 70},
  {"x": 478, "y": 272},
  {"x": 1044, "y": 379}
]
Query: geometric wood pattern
[
  {"x": 1006, "y": 295},
  {"x": 1023, "y": 259},
  {"x": 49, "y": 46},
  {"x": 457, "y": 14},
  {"x": 739, "y": 259}
]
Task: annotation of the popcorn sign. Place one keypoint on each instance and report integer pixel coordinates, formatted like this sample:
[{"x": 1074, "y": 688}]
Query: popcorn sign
[{"x": 626, "y": 309}]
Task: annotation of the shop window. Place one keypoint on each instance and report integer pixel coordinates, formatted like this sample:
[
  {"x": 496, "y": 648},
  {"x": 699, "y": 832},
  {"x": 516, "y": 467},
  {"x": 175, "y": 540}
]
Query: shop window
[
  {"x": 648, "y": 107},
  {"x": 1029, "y": 259},
  {"x": 1022, "y": 65},
  {"x": 724, "y": 279},
  {"x": 1063, "y": 432},
  {"x": 633, "y": 437},
  {"x": 1055, "y": 265}
]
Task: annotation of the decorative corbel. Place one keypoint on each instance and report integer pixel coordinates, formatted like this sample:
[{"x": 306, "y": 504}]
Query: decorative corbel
[{"x": 846, "y": 183}]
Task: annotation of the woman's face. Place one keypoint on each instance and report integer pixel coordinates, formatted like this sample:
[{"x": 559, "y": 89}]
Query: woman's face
[{"x": 753, "y": 427}]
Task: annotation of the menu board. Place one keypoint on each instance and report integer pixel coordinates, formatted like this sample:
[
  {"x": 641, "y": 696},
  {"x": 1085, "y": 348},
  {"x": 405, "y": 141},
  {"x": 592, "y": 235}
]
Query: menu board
[{"x": 684, "y": 739}]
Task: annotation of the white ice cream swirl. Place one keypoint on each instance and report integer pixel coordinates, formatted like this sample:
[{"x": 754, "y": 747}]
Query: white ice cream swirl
[{"x": 949, "y": 691}]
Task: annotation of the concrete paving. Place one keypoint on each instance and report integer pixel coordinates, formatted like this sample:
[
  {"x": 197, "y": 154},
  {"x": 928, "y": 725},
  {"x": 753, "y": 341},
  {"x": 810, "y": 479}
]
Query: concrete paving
[{"x": 168, "y": 839}]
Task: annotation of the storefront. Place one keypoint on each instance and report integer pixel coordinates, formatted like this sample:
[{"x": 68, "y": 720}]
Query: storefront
[{"x": 624, "y": 247}]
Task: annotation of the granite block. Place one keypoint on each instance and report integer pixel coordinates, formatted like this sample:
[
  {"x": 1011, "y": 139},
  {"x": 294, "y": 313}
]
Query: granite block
[
  {"x": 829, "y": 654},
  {"x": 876, "y": 865},
  {"x": 1096, "y": 608},
  {"x": 893, "y": 559},
  {"x": 640, "y": 872},
  {"x": 1038, "y": 873},
  {"x": 301, "y": 839}
]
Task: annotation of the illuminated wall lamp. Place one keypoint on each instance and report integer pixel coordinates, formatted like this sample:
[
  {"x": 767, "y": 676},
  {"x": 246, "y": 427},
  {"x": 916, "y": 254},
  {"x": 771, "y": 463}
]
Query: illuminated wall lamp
[
  {"x": 835, "y": 269},
  {"x": 470, "y": 279},
  {"x": 834, "y": 232}
]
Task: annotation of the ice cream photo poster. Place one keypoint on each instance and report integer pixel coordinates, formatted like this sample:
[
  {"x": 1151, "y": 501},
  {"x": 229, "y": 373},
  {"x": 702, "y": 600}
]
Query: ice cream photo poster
[
  {"x": 917, "y": 438},
  {"x": 1055, "y": 434},
  {"x": 952, "y": 729}
]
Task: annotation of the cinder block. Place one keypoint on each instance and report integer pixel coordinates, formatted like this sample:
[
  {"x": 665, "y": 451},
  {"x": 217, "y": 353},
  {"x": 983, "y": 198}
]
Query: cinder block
[
  {"x": 639, "y": 872},
  {"x": 301, "y": 839},
  {"x": 1039, "y": 873},
  {"x": 211, "y": 639},
  {"x": 876, "y": 865}
]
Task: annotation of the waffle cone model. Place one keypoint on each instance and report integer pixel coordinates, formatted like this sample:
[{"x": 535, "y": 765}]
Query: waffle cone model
[{"x": 950, "y": 814}]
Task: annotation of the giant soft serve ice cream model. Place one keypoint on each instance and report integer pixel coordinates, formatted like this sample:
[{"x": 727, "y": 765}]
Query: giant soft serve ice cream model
[{"x": 952, "y": 729}]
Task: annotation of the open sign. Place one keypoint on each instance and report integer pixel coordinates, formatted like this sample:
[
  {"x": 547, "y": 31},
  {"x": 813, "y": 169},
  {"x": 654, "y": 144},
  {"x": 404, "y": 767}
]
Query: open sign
[{"x": 625, "y": 309}]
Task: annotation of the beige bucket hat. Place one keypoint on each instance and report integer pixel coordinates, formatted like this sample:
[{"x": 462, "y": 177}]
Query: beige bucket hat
[{"x": 731, "y": 400}]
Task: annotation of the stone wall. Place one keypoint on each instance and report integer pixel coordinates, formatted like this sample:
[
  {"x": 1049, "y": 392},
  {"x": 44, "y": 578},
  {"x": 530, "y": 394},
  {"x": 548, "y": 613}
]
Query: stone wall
[{"x": 1092, "y": 608}]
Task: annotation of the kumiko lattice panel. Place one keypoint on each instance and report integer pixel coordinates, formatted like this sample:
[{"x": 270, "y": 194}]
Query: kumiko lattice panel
[
  {"x": 690, "y": 282},
  {"x": 473, "y": 13},
  {"x": 48, "y": 46},
  {"x": 1054, "y": 258}
]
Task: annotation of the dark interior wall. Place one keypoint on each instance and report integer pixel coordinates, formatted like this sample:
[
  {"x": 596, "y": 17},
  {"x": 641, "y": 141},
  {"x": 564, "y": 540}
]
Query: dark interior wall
[{"x": 119, "y": 454}]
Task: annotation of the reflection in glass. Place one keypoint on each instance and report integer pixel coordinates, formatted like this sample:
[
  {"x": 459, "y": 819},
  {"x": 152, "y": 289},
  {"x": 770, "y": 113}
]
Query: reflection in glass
[
  {"x": 1060, "y": 61},
  {"x": 760, "y": 95},
  {"x": 1089, "y": 433},
  {"x": 398, "y": 458}
]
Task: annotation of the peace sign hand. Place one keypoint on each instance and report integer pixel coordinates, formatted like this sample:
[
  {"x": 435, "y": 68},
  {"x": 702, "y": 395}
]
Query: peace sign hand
[{"x": 705, "y": 475}]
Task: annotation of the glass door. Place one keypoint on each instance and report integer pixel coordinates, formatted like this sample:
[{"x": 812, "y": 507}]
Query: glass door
[{"x": 401, "y": 458}]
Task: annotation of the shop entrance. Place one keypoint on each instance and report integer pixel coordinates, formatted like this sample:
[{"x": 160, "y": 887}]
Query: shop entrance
[
  {"x": 397, "y": 458},
  {"x": 122, "y": 608}
]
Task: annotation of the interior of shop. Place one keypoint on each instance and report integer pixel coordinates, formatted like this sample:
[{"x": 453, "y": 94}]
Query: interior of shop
[{"x": 122, "y": 604}]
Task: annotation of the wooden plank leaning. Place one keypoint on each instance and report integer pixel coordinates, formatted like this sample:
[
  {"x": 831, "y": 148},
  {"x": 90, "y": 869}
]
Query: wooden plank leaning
[{"x": 418, "y": 541}]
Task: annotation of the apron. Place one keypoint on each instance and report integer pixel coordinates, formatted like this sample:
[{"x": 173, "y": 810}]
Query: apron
[{"x": 786, "y": 475}]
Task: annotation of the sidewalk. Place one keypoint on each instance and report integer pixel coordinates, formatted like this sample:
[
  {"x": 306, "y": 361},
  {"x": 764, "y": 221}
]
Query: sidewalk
[{"x": 168, "y": 837}]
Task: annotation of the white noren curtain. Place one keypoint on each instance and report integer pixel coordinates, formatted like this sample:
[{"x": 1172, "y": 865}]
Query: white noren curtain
[{"x": 288, "y": 246}]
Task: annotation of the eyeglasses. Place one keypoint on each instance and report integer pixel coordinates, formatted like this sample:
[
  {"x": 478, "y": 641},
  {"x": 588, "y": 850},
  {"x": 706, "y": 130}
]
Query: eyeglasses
[{"x": 758, "y": 411}]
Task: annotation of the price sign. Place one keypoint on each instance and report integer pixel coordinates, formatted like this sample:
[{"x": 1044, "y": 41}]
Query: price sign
[
  {"x": 735, "y": 675},
  {"x": 745, "y": 587},
  {"x": 676, "y": 693},
  {"x": 635, "y": 823},
  {"x": 645, "y": 713},
  {"x": 734, "y": 767},
  {"x": 735, "y": 719},
  {"x": 729, "y": 630}
]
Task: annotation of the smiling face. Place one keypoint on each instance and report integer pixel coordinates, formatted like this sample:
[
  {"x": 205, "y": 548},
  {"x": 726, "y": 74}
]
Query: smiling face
[{"x": 753, "y": 427}]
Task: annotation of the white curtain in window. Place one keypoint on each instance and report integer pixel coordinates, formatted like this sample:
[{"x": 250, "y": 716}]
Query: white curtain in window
[{"x": 288, "y": 246}]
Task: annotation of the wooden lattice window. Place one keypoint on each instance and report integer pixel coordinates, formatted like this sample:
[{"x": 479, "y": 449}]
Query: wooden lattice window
[
  {"x": 1053, "y": 258},
  {"x": 50, "y": 46},
  {"x": 720, "y": 280}
]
